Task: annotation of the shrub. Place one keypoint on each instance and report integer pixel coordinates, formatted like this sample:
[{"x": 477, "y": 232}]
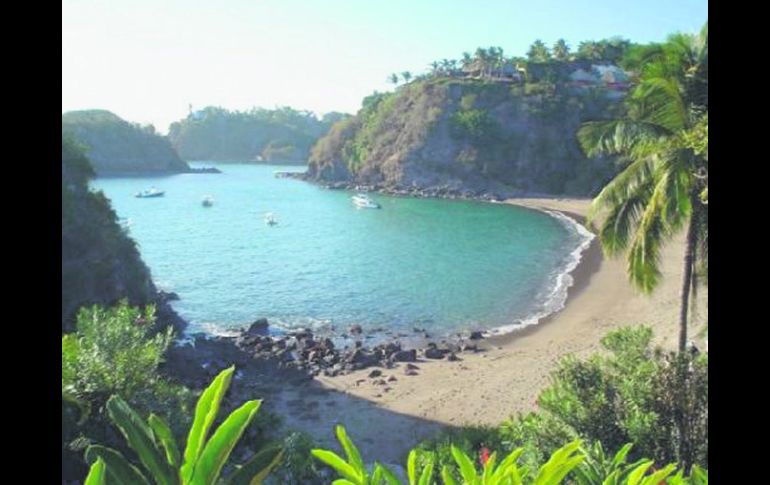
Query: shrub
[{"x": 204, "y": 456}]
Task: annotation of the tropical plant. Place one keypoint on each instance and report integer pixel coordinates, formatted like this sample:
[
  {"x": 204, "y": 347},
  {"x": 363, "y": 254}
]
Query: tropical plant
[
  {"x": 538, "y": 52},
  {"x": 561, "y": 50},
  {"x": 406, "y": 76},
  {"x": 599, "y": 468},
  {"x": 393, "y": 78},
  {"x": 661, "y": 189},
  {"x": 204, "y": 456}
]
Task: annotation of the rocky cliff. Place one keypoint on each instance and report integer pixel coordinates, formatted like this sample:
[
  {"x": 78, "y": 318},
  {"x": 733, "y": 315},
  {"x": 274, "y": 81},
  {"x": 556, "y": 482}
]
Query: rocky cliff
[
  {"x": 100, "y": 263},
  {"x": 468, "y": 137},
  {"x": 115, "y": 146}
]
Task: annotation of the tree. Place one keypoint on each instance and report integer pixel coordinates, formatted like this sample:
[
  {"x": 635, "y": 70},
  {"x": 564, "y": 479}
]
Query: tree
[
  {"x": 406, "y": 75},
  {"x": 661, "y": 190},
  {"x": 561, "y": 50},
  {"x": 538, "y": 52},
  {"x": 393, "y": 79},
  {"x": 589, "y": 50}
]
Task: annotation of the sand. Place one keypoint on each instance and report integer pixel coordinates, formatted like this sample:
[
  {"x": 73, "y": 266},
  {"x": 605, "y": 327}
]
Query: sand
[{"x": 490, "y": 386}]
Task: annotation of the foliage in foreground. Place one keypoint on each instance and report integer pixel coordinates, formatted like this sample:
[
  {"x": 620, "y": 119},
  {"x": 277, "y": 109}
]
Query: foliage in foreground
[
  {"x": 569, "y": 461},
  {"x": 204, "y": 456},
  {"x": 113, "y": 352}
]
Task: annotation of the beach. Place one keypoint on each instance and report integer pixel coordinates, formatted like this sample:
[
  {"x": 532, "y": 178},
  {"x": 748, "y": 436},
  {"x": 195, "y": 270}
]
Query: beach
[{"x": 506, "y": 376}]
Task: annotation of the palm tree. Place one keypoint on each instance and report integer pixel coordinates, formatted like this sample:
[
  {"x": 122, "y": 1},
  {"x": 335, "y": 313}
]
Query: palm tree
[
  {"x": 406, "y": 76},
  {"x": 561, "y": 50},
  {"x": 538, "y": 52},
  {"x": 393, "y": 79},
  {"x": 662, "y": 188}
]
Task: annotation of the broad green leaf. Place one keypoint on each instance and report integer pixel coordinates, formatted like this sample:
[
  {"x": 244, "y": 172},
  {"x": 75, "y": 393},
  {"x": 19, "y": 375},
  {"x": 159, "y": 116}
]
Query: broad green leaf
[
  {"x": 342, "y": 481},
  {"x": 96, "y": 474},
  {"x": 164, "y": 435},
  {"x": 467, "y": 470},
  {"x": 334, "y": 461},
  {"x": 389, "y": 476},
  {"x": 205, "y": 413},
  {"x": 376, "y": 474},
  {"x": 118, "y": 468},
  {"x": 140, "y": 438},
  {"x": 620, "y": 456},
  {"x": 411, "y": 467},
  {"x": 354, "y": 457},
  {"x": 209, "y": 464},
  {"x": 427, "y": 473},
  {"x": 257, "y": 467},
  {"x": 636, "y": 475},
  {"x": 446, "y": 475},
  {"x": 659, "y": 475}
]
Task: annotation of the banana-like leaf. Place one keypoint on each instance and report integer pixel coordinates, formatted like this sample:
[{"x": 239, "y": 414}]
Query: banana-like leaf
[
  {"x": 636, "y": 475},
  {"x": 620, "y": 456},
  {"x": 411, "y": 467},
  {"x": 388, "y": 475},
  {"x": 164, "y": 435},
  {"x": 140, "y": 438},
  {"x": 217, "y": 450},
  {"x": 342, "y": 467},
  {"x": 659, "y": 475},
  {"x": 96, "y": 474},
  {"x": 205, "y": 413},
  {"x": 446, "y": 475},
  {"x": 354, "y": 457},
  {"x": 427, "y": 473},
  {"x": 118, "y": 468},
  {"x": 467, "y": 470},
  {"x": 258, "y": 467}
]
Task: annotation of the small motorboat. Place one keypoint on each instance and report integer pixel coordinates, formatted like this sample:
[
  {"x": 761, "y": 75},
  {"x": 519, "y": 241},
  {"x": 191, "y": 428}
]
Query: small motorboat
[
  {"x": 207, "y": 201},
  {"x": 147, "y": 193},
  {"x": 270, "y": 219},
  {"x": 363, "y": 201}
]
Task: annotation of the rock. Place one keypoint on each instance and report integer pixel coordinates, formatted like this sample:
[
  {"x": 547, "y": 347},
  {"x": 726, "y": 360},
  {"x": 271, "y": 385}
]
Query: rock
[
  {"x": 375, "y": 373},
  {"x": 392, "y": 378},
  {"x": 452, "y": 357},
  {"x": 411, "y": 372},
  {"x": 477, "y": 335},
  {"x": 412, "y": 367},
  {"x": 470, "y": 347},
  {"x": 164, "y": 296},
  {"x": 434, "y": 353},
  {"x": 355, "y": 330},
  {"x": 404, "y": 356},
  {"x": 259, "y": 327}
]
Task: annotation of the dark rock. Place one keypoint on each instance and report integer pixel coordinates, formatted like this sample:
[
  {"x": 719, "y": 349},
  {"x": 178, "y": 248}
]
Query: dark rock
[
  {"x": 434, "y": 353},
  {"x": 392, "y": 378},
  {"x": 411, "y": 372},
  {"x": 412, "y": 367},
  {"x": 452, "y": 357},
  {"x": 375, "y": 373},
  {"x": 355, "y": 330},
  {"x": 404, "y": 356},
  {"x": 477, "y": 335},
  {"x": 259, "y": 327}
]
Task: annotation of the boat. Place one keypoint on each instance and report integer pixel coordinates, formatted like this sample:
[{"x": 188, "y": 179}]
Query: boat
[
  {"x": 147, "y": 193},
  {"x": 208, "y": 201},
  {"x": 270, "y": 219},
  {"x": 363, "y": 201}
]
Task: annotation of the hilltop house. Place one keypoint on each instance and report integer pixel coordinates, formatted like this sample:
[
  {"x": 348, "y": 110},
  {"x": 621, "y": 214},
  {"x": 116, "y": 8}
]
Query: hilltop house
[
  {"x": 581, "y": 77},
  {"x": 612, "y": 76}
]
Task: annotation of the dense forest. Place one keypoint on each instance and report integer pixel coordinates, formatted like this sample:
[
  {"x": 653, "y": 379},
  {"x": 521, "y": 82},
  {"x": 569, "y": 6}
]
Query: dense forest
[{"x": 283, "y": 135}]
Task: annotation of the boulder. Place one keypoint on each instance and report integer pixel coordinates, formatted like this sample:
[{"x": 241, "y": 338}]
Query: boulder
[
  {"x": 477, "y": 335},
  {"x": 404, "y": 356},
  {"x": 259, "y": 327},
  {"x": 434, "y": 353}
]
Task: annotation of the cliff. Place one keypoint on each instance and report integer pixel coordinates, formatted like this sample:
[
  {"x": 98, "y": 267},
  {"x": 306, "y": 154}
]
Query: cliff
[
  {"x": 100, "y": 263},
  {"x": 115, "y": 146},
  {"x": 468, "y": 137},
  {"x": 277, "y": 136}
]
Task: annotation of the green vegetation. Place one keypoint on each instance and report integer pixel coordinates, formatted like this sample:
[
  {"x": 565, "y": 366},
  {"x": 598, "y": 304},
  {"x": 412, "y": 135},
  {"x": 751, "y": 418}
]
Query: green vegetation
[
  {"x": 664, "y": 137},
  {"x": 633, "y": 394},
  {"x": 117, "y": 146},
  {"x": 569, "y": 462},
  {"x": 280, "y": 135},
  {"x": 204, "y": 455}
]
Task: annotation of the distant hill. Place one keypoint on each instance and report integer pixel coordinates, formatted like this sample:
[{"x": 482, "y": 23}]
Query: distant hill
[
  {"x": 282, "y": 135},
  {"x": 116, "y": 146}
]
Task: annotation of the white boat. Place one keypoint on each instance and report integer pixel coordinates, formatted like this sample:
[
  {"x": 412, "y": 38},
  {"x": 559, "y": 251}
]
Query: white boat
[
  {"x": 363, "y": 201},
  {"x": 208, "y": 201},
  {"x": 270, "y": 219},
  {"x": 153, "y": 192}
]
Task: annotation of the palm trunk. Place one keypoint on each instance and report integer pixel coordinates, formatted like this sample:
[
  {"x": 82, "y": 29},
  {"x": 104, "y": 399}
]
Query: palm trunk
[{"x": 689, "y": 253}]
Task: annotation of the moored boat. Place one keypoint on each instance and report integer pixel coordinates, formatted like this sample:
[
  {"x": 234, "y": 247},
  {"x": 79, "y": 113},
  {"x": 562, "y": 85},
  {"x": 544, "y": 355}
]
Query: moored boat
[
  {"x": 147, "y": 193},
  {"x": 363, "y": 201}
]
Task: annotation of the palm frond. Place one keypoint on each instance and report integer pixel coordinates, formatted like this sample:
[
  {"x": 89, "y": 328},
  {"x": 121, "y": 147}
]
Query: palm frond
[{"x": 644, "y": 253}]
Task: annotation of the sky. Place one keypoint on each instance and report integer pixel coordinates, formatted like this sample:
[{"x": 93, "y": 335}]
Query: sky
[{"x": 148, "y": 60}]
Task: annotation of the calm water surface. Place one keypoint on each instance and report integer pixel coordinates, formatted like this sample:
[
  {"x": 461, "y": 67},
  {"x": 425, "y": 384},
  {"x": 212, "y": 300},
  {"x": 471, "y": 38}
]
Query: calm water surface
[{"x": 441, "y": 265}]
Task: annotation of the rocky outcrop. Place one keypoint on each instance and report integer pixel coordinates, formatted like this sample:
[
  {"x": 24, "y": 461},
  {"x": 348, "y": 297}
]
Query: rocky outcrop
[
  {"x": 115, "y": 146},
  {"x": 467, "y": 138},
  {"x": 100, "y": 263}
]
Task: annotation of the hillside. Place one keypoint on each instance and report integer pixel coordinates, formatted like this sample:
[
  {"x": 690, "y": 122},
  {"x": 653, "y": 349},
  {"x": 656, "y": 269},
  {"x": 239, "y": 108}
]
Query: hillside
[
  {"x": 100, "y": 263},
  {"x": 277, "y": 136},
  {"x": 469, "y": 136},
  {"x": 115, "y": 146}
]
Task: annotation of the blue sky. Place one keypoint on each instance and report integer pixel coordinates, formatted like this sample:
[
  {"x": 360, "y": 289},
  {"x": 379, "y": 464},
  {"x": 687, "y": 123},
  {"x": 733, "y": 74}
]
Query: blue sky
[{"x": 146, "y": 60}]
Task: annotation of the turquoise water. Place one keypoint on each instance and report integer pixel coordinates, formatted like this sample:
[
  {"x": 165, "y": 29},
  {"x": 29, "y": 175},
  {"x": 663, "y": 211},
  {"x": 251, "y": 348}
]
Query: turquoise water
[{"x": 442, "y": 265}]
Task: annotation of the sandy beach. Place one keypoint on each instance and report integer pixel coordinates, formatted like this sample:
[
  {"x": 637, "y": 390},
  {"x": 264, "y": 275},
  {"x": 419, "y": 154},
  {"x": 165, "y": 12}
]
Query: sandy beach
[{"x": 506, "y": 377}]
